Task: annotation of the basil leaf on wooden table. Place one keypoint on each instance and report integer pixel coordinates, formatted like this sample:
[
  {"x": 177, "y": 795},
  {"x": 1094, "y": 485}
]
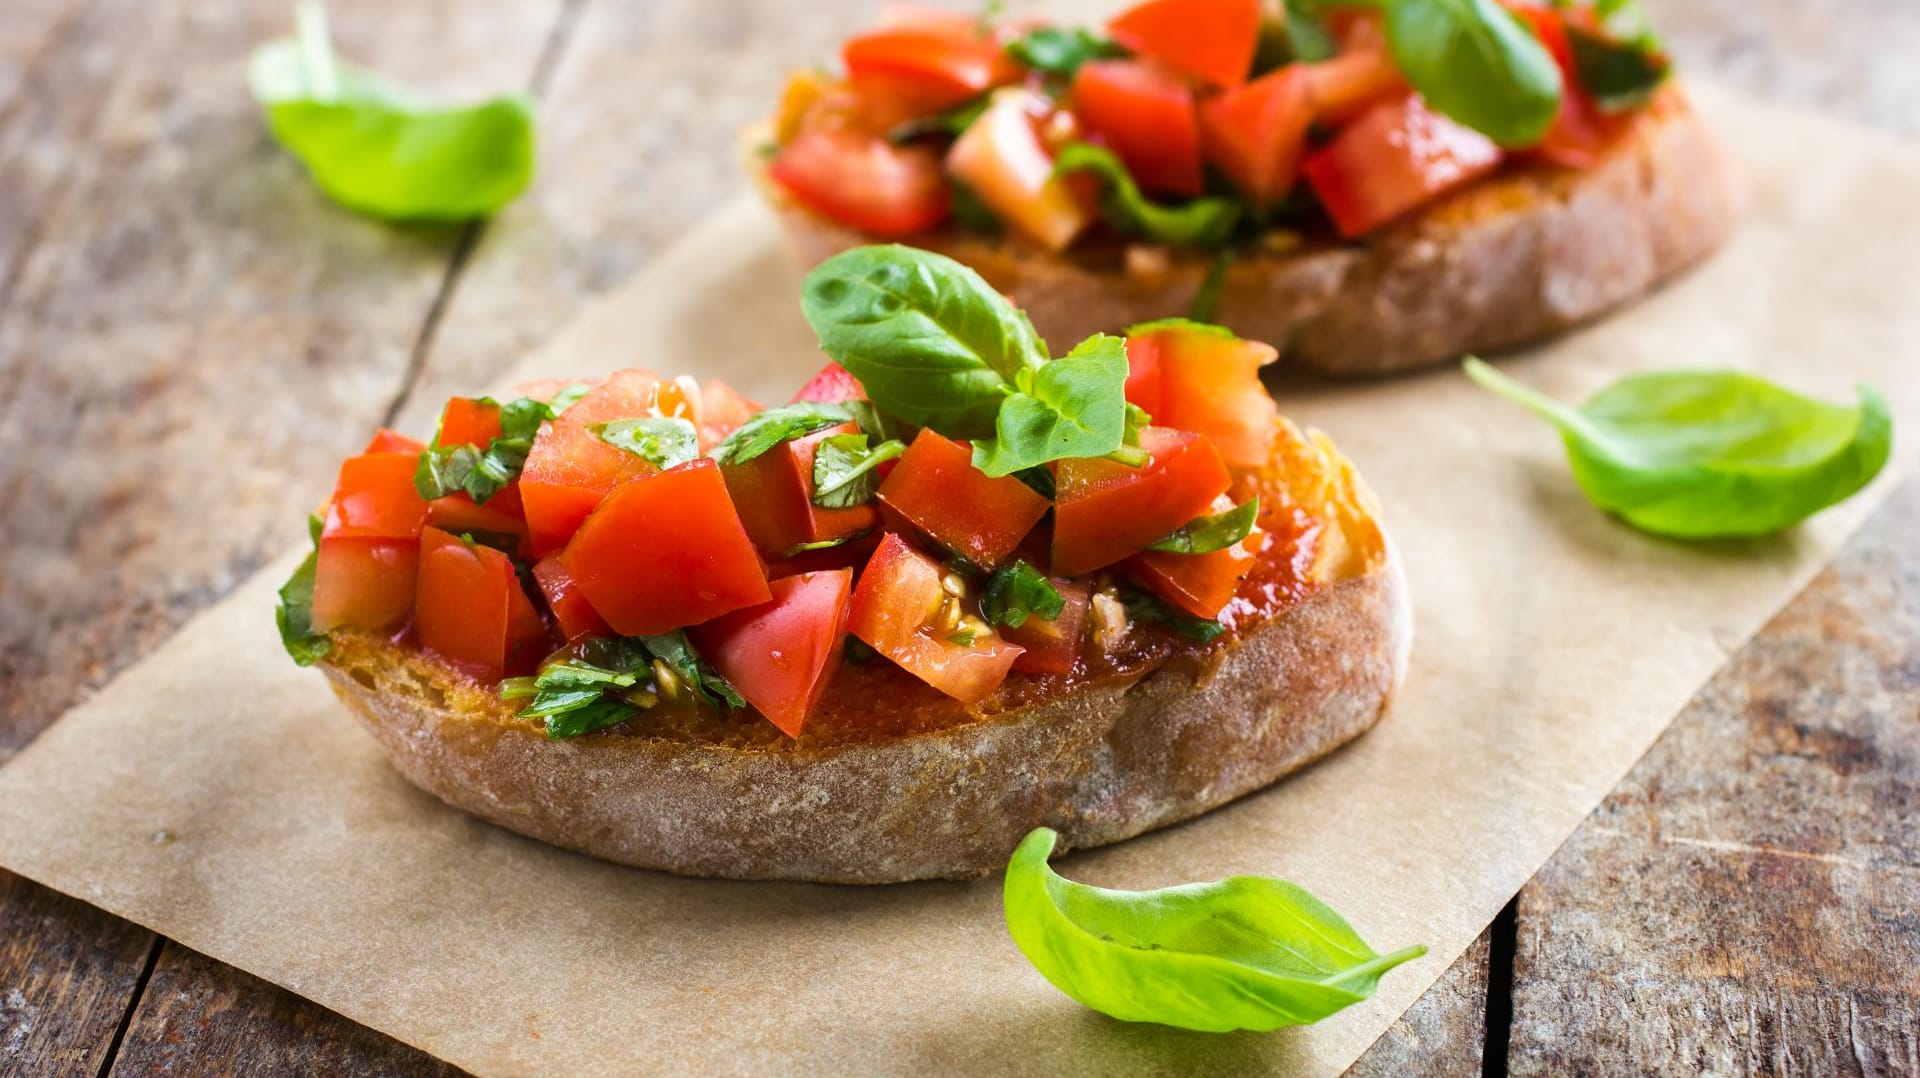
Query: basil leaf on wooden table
[
  {"x": 379, "y": 148},
  {"x": 844, "y": 469},
  {"x": 294, "y": 614},
  {"x": 1478, "y": 64},
  {"x": 1711, "y": 454},
  {"x": 1210, "y": 533},
  {"x": 1202, "y": 222},
  {"x": 1075, "y": 406},
  {"x": 1246, "y": 952},
  {"x": 931, "y": 341},
  {"x": 663, "y": 441}
]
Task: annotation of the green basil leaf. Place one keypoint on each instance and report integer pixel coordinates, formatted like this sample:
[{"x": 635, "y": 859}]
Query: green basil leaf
[
  {"x": 1308, "y": 39},
  {"x": 1137, "y": 421},
  {"x": 949, "y": 122},
  {"x": 600, "y": 683},
  {"x": 663, "y": 441},
  {"x": 1206, "y": 299},
  {"x": 961, "y": 637},
  {"x": 1017, "y": 593},
  {"x": 1711, "y": 454},
  {"x": 597, "y": 713},
  {"x": 971, "y": 212},
  {"x": 826, "y": 544},
  {"x": 775, "y": 425},
  {"x": 377, "y": 147},
  {"x": 479, "y": 472},
  {"x": 1194, "y": 325},
  {"x": 1148, "y": 607},
  {"x": 1040, "y": 480},
  {"x": 1477, "y": 63},
  {"x": 1077, "y": 407},
  {"x": 568, "y": 397},
  {"x": 1619, "y": 76},
  {"x": 843, "y": 470},
  {"x": 1202, "y": 222},
  {"x": 1626, "y": 20},
  {"x": 706, "y": 683},
  {"x": 1060, "y": 51},
  {"x": 1210, "y": 533},
  {"x": 932, "y": 342},
  {"x": 1247, "y": 952},
  {"x": 294, "y": 614}
]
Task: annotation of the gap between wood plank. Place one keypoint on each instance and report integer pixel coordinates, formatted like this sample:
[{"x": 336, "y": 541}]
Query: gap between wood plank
[
  {"x": 1502, "y": 940},
  {"x": 126, "y": 1019}
]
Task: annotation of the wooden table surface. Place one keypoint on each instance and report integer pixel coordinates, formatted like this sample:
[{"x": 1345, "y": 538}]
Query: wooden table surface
[{"x": 190, "y": 337}]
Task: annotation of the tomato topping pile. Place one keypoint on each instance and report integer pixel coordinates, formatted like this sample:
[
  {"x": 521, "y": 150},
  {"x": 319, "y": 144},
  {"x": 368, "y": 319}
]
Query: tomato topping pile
[
  {"x": 1261, "y": 115},
  {"x": 605, "y": 550}
]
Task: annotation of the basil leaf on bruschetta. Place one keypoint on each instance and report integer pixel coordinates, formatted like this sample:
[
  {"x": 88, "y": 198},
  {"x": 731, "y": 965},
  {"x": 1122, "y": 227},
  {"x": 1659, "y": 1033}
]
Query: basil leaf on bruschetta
[
  {"x": 663, "y": 441},
  {"x": 1019, "y": 592},
  {"x": 845, "y": 469},
  {"x": 1711, "y": 454},
  {"x": 294, "y": 614},
  {"x": 1074, "y": 406},
  {"x": 767, "y": 429},
  {"x": 1210, "y": 533},
  {"x": 1247, "y": 952},
  {"x": 1201, "y": 222},
  {"x": 376, "y": 147},
  {"x": 1474, "y": 61},
  {"x": 1620, "y": 75}
]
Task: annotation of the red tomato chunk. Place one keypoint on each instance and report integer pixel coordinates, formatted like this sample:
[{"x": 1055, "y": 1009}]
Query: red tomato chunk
[
  {"x": 469, "y": 607},
  {"x": 1145, "y": 114},
  {"x": 864, "y": 181},
  {"x": 936, "y": 492},
  {"x": 1211, "y": 40},
  {"x": 375, "y": 498},
  {"x": 773, "y": 494},
  {"x": 1054, "y": 646},
  {"x": 1104, "y": 510},
  {"x": 570, "y": 469},
  {"x": 897, "y": 610},
  {"x": 578, "y": 620},
  {"x": 781, "y": 654},
  {"x": 1209, "y": 383},
  {"x": 363, "y": 583},
  {"x": 1393, "y": 159}
]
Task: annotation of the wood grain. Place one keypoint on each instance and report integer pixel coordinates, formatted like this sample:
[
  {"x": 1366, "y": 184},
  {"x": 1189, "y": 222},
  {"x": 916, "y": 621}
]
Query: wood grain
[
  {"x": 1749, "y": 898},
  {"x": 67, "y": 971},
  {"x": 1443, "y": 1033}
]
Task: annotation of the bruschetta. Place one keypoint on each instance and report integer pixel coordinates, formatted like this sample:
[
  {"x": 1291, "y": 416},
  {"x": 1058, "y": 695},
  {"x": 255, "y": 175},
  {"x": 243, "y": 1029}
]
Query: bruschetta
[
  {"x": 955, "y": 589},
  {"x": 1368, "y": 189}
]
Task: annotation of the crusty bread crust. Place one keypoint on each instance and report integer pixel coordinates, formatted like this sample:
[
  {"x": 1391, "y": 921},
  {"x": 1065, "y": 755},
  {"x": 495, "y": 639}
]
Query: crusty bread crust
[
  {"x": 1519, "y": 256},
  {"x": 1101, "y": 765}
]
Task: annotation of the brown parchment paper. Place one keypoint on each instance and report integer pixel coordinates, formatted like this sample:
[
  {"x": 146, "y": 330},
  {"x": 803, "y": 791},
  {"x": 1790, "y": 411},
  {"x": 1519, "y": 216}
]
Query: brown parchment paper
[{"x": 218, "y": 795}]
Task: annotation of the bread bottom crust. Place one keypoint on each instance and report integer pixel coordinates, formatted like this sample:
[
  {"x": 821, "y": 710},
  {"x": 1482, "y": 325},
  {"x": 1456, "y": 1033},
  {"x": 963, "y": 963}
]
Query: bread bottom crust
[
  {"x": 1099, "y": 766},
  {"x": 1511, "y": 259}
]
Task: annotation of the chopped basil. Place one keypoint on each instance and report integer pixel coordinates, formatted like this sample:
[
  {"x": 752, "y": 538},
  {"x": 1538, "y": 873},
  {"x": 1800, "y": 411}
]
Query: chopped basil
[
  {"x": 1619, "y": 76},
  {"x": 663, "y": 441},
  {"x": 294, "y": 615},
  {"x": 1059, "y": 52},
  {"x": 844, "y": 469},
  {"x": 604, "y": 681},
  {"x": 1210, "y": 533},
  {"x": 1017, "y": 593},
  {"x": 949, "y": 122},
  {"x": 775, "y": 425},
  {"x": 824, "y": 544},
  {"x": 481, "y": 472},
  {"x": 962, "y": 637},
  {"x": 1201, "y": 222},
  {"x": 1206, "y": 300},
  {"x": 1145, "y": 606}
]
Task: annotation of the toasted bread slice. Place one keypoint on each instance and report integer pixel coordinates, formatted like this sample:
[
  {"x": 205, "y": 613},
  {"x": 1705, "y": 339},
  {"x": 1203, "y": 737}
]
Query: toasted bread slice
[
  {"x": 1518, "y": 256},
  {"x": 1099, "y": 760}
]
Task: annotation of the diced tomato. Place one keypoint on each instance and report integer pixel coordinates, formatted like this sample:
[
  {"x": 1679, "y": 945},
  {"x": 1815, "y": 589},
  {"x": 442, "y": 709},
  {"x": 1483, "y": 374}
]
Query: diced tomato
[
  {"x": 1145, "y": 113},
  {"x": 374, "y": 498},
  {"x": 1257, "y": 133},
  {"x": 1397, "y": 156},
  {"x": 774, "y": 495},
  {"x": 1144, "y": 377},
  {"x": 865, "y": 182},
  {"x": 722, "y": 410},
  {"x": 469, "y": 607},
  {"x": 545, "y": 389},
  {"x": 1054, "y": 646},
  {"x": 502, "y": 515},
  {"x": 569, "y": 470},
  {"x": 1211, "y": 40},
  {"x": 666, "y": 551},
  {"x": 1001, "y": 159},
  {"x": 832, "y": 385},
  {"x": 1210, "y": 384},
  {"x": 466, "y": 421},
  {"x": 363, "y": 583},
  {"x": 1200, "y": 584},
  {"x": 577, "y": 617},
  {"x": 391, "y": 441},
  {"x": 1342, "y": 87},
  {"x": 897, "y": 610},
  {"x": 928, "y": 19},
  {"x": 1104, "y": 510},
  {"x": 936, "y": 491},
  {"x": 925, "y": 70},
  {"x": 781, "y": 654}
]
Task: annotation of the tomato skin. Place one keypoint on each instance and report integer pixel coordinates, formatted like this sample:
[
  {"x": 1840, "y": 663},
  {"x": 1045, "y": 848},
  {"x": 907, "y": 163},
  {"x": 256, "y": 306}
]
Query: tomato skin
[
  {"x": 925, "y": 69},
  {"x": 465, "y": 421},
  {"x": 569, "y": 469},
  {"x": 1052, "y": 647},
  {"x": 1342, "y": 87},
  {"x": 1581, "y": 133},
  {"x": 1211, "y": 40},
  {"x": 1145, "y": 379},
  {"x": 577, "y": 617},
  {"x": 781, "y": 654},
  {"x": 363, "y": 583},
  {"x": 833, "y": 384},
  {"x": 1257, "y": 133},
  {"x": 773, "y": 494},
  {"x": 722, "y": 410},
  {"x": 1200, "y": 584},
  {"x": 1145, "y": 113},
  {"x": 1210, "y": 384},
  {"x": 1397, "y": 156},
  {"x": 469, "y": 607},
  {"x": 392, "y": 441},
  {"x": 374, "y": 498},
  {"x": 1104, "y": 510},
  {"x": 863, "y": 181},
  {"x": 458, "y": 514},
  {"x": 894, "y": 610},
  {"x": 934, "y": 490},
  {"x": 665, "y": 551},
  {"x": 1001, "y": 159}
]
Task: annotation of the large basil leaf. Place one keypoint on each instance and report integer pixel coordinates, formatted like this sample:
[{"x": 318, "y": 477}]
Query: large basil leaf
[
  {"x": 376, "y": 147},
  {"x": 1242, "y": 953},
  {"x": 1711, "y": 454},
  {"x": 294, "y": 614},
  {"x": 931, "y": 341},
  {"x": 1477, "y": 63},
  {"x": 1202, "y": 222},
  {"x": 1076, "y": 406}
]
